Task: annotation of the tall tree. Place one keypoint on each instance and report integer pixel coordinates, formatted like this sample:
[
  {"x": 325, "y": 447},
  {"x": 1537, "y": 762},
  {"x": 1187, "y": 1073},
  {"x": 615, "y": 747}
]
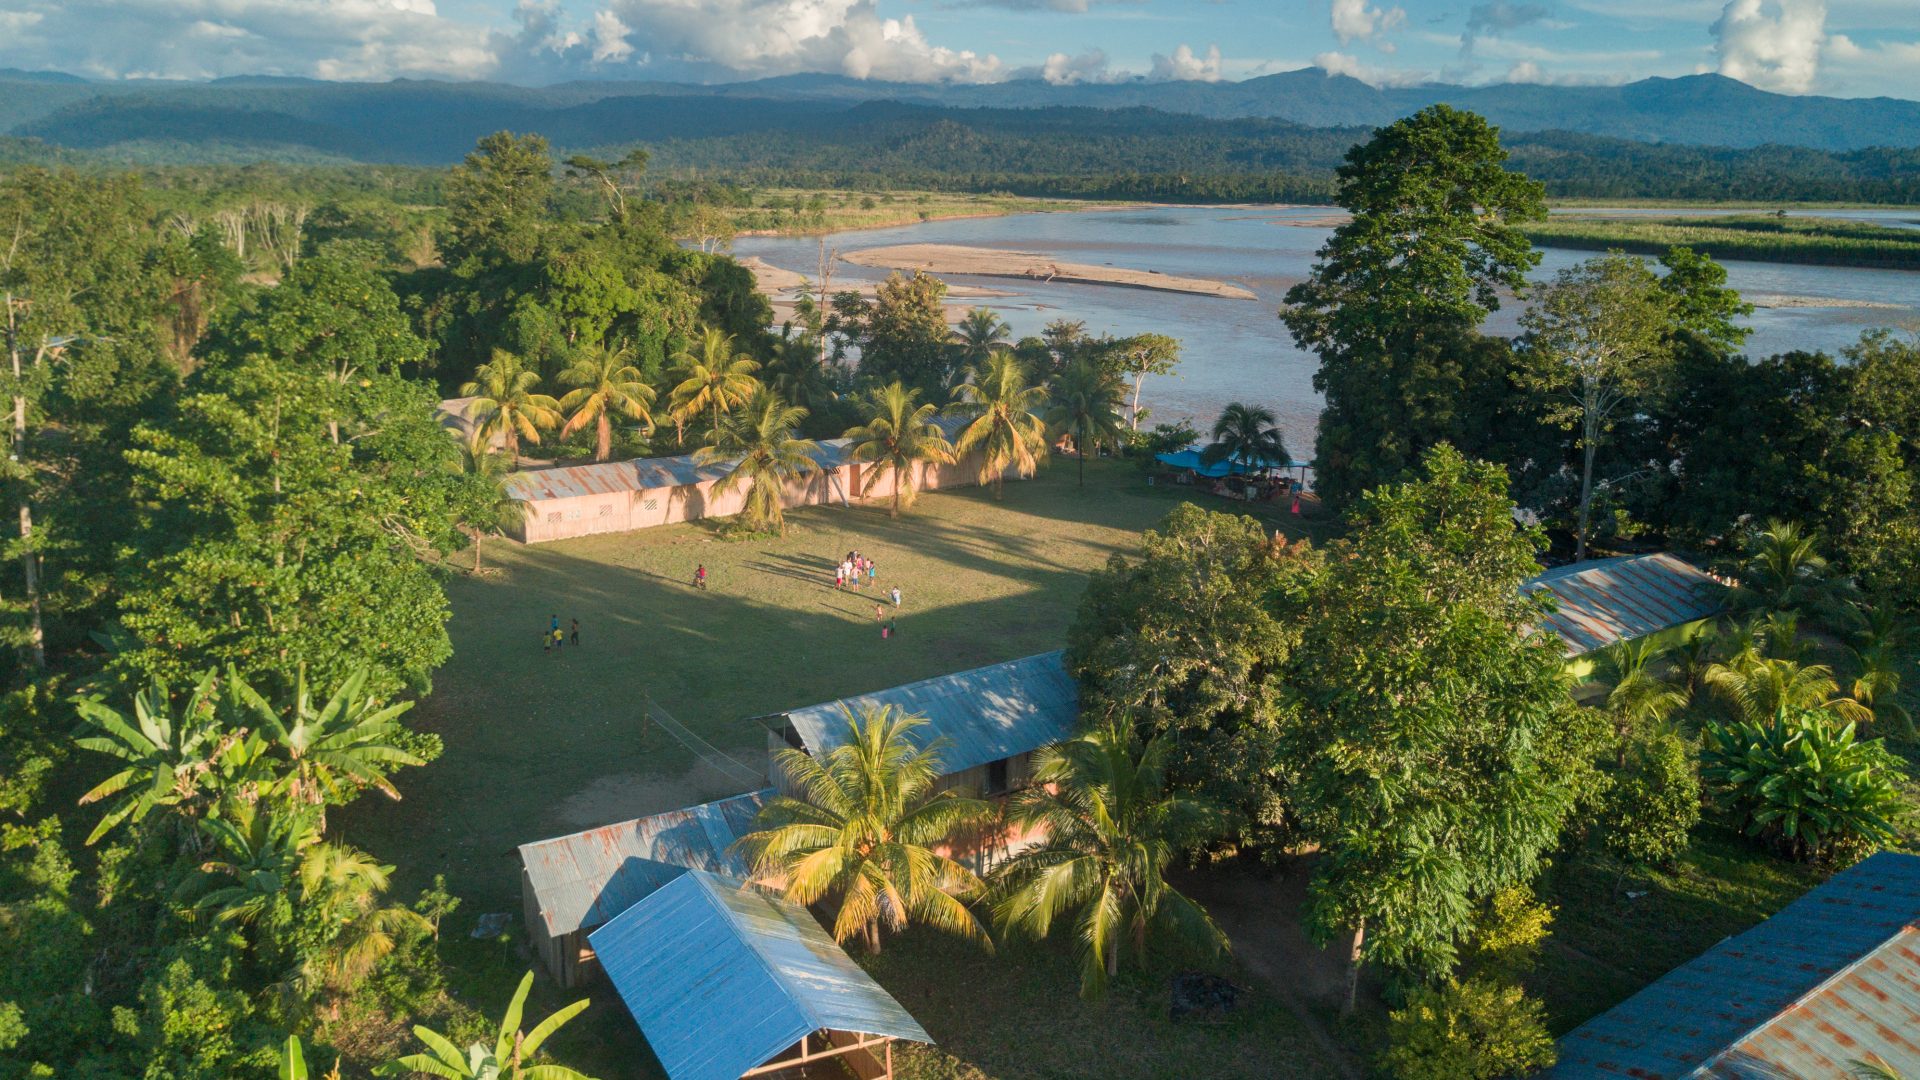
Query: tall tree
[
  {"x": 1111, "y": 832},
  {"x": 605, "y": 385},
  {"x": 1403, "y": 285},
  {"x": 715, "y": 379},
  {"x": 488, "y": 508},
  {"x": 508, "y": 403},
  {"x": 758, "y": 440},
  {"x": 903, "y": 333},
  {"x": 1085, "y": 400},
  {"x": 1003, "y": 424},
  {"x": 1701, "y": 304},
  {"x": 862, "y": 827},
  {"x": 980, "y": 332},
  {"x": 899, "y": 438},
  {"x": 497, "y": 200},
  {"x": 1143, "y": 355},
  {"x": 1439, "y": 749},
  {"x": 1601, "y": 331}
]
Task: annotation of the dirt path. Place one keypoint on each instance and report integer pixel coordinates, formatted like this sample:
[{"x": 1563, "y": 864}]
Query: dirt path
[{"x": 1259, "y": 909}]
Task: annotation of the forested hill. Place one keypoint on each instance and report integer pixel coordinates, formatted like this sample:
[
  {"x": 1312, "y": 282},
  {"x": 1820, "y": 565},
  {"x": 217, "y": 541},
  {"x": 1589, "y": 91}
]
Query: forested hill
[{"x": 435, "y": 122}]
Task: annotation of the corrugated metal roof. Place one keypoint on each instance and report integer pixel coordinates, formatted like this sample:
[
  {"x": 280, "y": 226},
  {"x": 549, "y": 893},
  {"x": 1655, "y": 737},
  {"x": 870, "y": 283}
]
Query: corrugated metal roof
[
  {"x": 585, "y": 879},
  {"x": 640, "y": 474},
  {"x": 1602, "y": 601},
  {"x": 985, "y": 714},
  {"x": 1835, "y": 972},
  {"x": 721, "y": 977}
]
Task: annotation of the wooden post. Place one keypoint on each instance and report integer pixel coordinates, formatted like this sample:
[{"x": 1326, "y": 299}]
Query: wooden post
[{"x": 889, "y": 1059}]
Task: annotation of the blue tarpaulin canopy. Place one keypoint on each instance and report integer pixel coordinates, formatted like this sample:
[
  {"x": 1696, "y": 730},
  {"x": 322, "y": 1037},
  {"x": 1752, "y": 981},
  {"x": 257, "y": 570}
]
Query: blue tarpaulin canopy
[{"x": 1190, "y": 459}]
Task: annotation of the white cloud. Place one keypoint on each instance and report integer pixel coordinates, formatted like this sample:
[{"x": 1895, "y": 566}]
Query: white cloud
[
  {"x": 1773, "y": 44},
  {"x": 1088, "y": 67},
  {"x": 1339, "y": 63},
  {"x": 773, "y": 37},
  {"x": 1356, "y": 20},
  {"x": 1495, "y": 18},
  {"x": 610, "y": 38},
  {"x": 1184, "y": 66}
]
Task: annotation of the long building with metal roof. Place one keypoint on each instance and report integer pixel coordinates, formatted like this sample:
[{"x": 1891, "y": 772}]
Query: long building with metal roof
[
  {"x": 728, "y": 981},
  {"x": 1601, "y": 601},
  {"x": 575, "y": 883},
  {"x": 1832, "y": 979},
  {"x": 989, "y": 719}
]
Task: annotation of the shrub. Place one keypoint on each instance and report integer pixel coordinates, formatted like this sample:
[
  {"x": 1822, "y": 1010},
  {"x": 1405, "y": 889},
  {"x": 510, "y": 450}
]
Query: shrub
[
  {"x": 1805, "y": 785},
  {"x": 1511, "y": 928},
  {"x": 1473, "y": 1030},
  {"x": 1655, "y": 802}
]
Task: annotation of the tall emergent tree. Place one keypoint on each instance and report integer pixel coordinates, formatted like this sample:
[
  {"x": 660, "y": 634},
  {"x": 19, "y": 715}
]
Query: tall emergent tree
[
  {"x": 1143, "y": 355},
  {"x": 1601, "y": 332},
  {"x": 899, "y": 438},
  {"x": 497, "y": 200},
  {"x": 1398, "y": 294},
  {"x": 1440, "y": 751},
  {"x": 1004, "y": 424}
]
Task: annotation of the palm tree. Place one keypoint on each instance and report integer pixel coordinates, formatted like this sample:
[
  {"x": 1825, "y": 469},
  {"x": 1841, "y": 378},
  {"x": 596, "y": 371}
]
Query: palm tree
[
  {"x": 182, "y": 760},
  {"x": 604, "y": 385},
  {"x": 1692, "y": 652},
  {"x": 798, "y": 372},
  {"x": 1638, "y": 697},
  {"x": 508, "y": 402},
  {"x": 980, "y": 333},
  {"x": 347, "y": 744},
  {"x": 899, "y": 438},
  {"x": 508, "y": 1060},
  {"x": 345, "y": 883},
  {"x": 258, "y": 850},
  {"x": 1782, "y": 570},
  {"x": 863, "y": 829},
  {"x": 1246, "y": 435},
  {"x": 716, "y": 379},
  {"x": 1761, "y": 689},
  {"x": 1111, "y": 831},
  {"x": 1086, "y": 400},
  {"x": 1004, "y": 428},
  {"x": 759, "y": 441},
  {"x": 1879, "y": 655},
  {"x": 493, "y": 509}
]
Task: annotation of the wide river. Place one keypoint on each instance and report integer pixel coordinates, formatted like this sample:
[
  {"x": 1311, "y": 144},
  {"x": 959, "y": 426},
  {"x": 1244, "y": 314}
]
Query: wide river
[{"x": 1238, "y": 350}]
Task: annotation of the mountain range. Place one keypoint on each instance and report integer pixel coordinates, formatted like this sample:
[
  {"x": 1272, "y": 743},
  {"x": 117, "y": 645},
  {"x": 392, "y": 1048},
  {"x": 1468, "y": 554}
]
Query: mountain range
[{"x": 429, "y": 123}]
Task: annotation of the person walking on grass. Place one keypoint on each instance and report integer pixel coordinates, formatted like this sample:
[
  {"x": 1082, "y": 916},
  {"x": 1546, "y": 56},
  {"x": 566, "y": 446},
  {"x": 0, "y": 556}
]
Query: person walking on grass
[
  {"x": 546, "y": 641},
  {"x": 840, "y": 576},
  {"x": 700, "y": 577},
  {"x": 895, "y": 594},
  {"x": 872, "y": 570},
  {"x": 574, "y": 634},
  {"x": 559, "y": 639},
  {"x": 879, "y": 613}
]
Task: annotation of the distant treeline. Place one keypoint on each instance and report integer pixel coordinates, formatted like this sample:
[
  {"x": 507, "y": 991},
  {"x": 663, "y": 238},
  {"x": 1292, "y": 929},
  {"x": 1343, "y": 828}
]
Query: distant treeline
[{"x": 1822, "y": 241}]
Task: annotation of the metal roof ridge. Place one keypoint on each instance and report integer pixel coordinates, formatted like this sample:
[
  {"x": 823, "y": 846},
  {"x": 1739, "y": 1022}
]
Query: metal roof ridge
[
  {"x": 643, "y": 817},
  {"x": 1847, "y": 969},
  {"x": 929, "y": 680},
  {"x": 745, "y": 934}
]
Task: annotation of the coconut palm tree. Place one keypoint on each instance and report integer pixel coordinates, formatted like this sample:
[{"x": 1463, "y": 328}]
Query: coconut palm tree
[
  {"x": 345, "y": 884},
  {"x": 1760, "y": 689},
  {"x": 492, "y": 509},
  {"x": 1004, "y": 428},
  {"x": 1782, "y": 569},
  {"x": 715, "y": 379},
  {"x": 898, "y": 440},
  {"x": 798, "y": 373},
  {"x": 257, "y": 854},
  {"x": 349, "y": 743},
  {"x": 1879, "y": 654},
  {"x": 1246, "y": 435},
  {"x": 1085, "y": 400},
  {"x": 758, "y": 440},
  {"x": 863, "y": 829},
  {"x": 1638, "y": 696},
  {"x": 980, "y": 333},
  {"x": 605, "y": 384},
  {"x": 1111, "y": 831},
  {"x": 180, "y": 759},
  {"x": 509, "y": 1058},
  {"x": 509, "y": 403}
]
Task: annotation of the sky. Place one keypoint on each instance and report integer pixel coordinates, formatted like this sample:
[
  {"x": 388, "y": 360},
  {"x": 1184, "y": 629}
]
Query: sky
[{"x": 1849, "y": 48}]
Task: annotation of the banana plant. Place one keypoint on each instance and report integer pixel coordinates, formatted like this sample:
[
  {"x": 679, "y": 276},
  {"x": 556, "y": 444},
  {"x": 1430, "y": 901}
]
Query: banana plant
[
  {"x": 180, "y": 759},
  {"x": 506, "y": 1060}
]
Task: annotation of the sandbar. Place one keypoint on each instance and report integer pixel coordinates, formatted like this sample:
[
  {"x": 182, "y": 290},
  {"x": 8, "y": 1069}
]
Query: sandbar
[{"x": 1030, "y": 266}]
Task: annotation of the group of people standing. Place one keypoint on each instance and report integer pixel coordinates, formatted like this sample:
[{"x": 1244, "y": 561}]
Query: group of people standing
[
  {"x": 556, "y": 638},
  {"x": 851, "y": 569}
]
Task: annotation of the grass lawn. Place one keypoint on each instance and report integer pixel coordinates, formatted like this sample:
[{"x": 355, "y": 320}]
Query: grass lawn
[{"x": 540, "y": 744}]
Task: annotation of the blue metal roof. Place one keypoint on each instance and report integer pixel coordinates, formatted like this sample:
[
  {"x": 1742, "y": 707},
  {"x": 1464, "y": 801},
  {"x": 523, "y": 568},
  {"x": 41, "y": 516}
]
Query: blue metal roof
[
  {"x": 1601, "y": 601},
  {"x": 985, "y": 714},
  {"x": 585, "y": 879},
  {"x": 1834, "y": 975},
  {"x": 721, "y": 977},
  {"x": 640, "y": 474}
]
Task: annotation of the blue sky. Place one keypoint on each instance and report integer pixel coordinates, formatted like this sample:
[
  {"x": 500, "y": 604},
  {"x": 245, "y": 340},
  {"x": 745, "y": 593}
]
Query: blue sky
[{"x": 1842, "y": 47}]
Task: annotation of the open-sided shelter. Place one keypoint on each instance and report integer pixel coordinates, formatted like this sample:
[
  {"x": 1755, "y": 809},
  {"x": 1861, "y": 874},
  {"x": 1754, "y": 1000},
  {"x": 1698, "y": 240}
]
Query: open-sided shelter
[
  {"x": 1833, "y": 979},
  {"x": 571, "y": 885},
  {"x": 728, "y": 981},
  {"x": 1601, "y": 601}
]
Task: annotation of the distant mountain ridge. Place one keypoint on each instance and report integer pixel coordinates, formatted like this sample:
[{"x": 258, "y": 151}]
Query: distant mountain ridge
[{"x": 417, "y": 122}]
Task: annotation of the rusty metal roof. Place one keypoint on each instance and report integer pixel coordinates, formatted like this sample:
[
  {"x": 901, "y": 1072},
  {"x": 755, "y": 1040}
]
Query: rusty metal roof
[
  {"x": 640, "y": 474},
  {"x": 1601, "y": 601},
  {"x": 721, "y": 977},
  {"x": 984, "y": 715},
  {"x": 1835, "y": 976},
  {"x": 583, "y": 880}
]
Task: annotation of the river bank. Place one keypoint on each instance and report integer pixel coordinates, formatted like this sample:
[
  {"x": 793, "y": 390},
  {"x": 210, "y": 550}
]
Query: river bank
[{"x": 943, "y": 259}]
